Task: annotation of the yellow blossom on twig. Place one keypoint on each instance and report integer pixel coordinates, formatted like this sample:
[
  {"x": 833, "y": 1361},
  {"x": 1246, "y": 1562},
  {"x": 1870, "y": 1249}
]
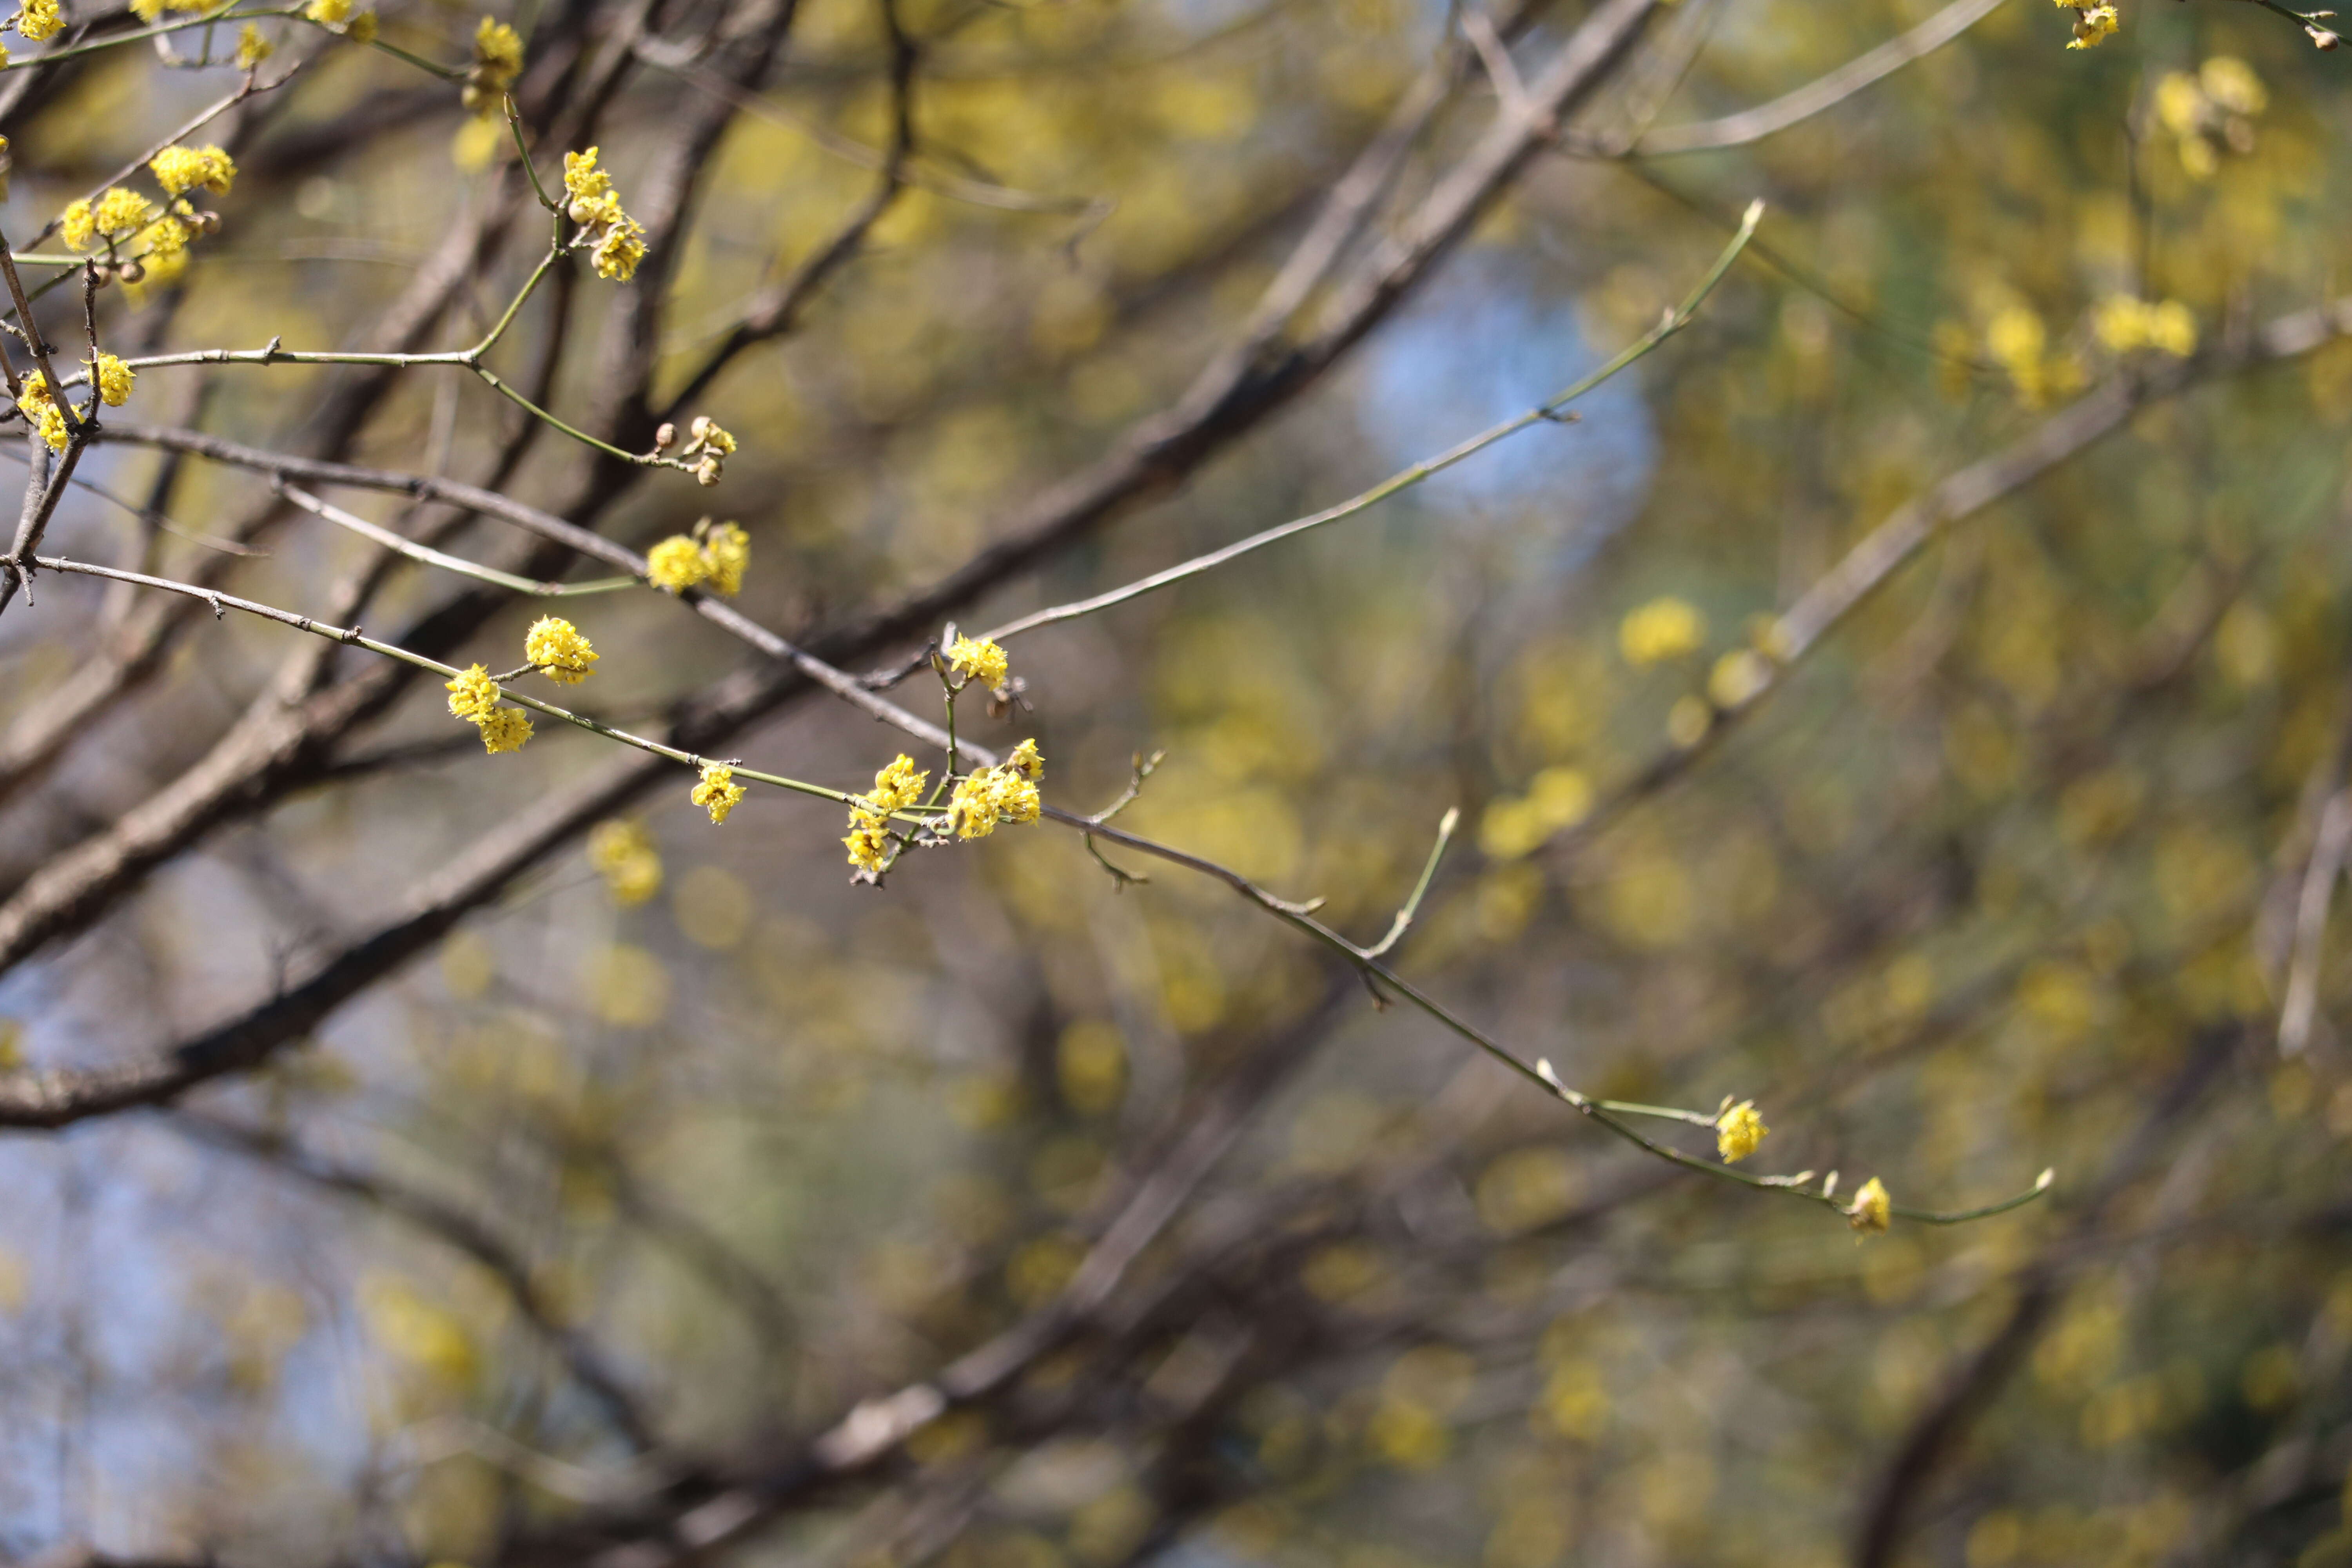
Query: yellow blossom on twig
[
  {"x": 622, "y": 853},
  {"x": 40, "y": 19},
  {"x": 981, "y": 661},
  {"x": 1739, "y": 1131},
  {"x": 113, "y": 378},
  {"x": 1662, "y": 629},
  {"x": 555, "y": 648},
  {"x": 180, "y": 170},
  {"x": 718, "y": 793},
  {"x": 1872, "y": 1210}
]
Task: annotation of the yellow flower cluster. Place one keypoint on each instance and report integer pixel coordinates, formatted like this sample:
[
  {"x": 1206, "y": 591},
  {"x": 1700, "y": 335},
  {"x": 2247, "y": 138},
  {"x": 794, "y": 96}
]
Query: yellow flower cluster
[
  {"x": 40, "y": 19},
  {"x": 717, "y": 555},
  {"x": 2020, "y": 344},
  {"x": 622, "y": 853},
  {"x": 474, "y": 697},
  {"x": 497, "y": 60},
  {"x": 1662, "y": 629},
  {"x": 113, "y": 379},
  {"x": 618, "y": 240},
  {"x": 555, "y": 648},
  {"x": 2209, "y": 111},
  {"x": 1872, "y": 1210},
  {"x": 180, "y": 170},
  {"x": 705, "y": 439},
  {"x": 2123, "y": 324},
  {"x": 1737, "y": 1131},
  {"x": 718, "y": 793},
  {"x": 1007, "y": 792},
  {"x": 2094, "y": 23},
  {"x": 252, "y": 48},
  {"x": 983, "y": 661},
  {"x": 41, "y": 411},
  {"x": 895, "y": 787},
  {"x": 116, "y": 212},
  {"x": 335, "y": 16}
]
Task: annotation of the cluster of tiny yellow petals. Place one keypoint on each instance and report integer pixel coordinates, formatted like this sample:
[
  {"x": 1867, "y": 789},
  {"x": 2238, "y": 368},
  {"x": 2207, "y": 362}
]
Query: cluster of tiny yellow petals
[
  {"x": 504, "y": 730},
  {"x": 2094, "y": 23},
  {"x": 675, "y": 563},
  {"x": 40, "y": 19},
  {"x": 2123, "y": 324},
  {"x": 41, "y": 410},
  {"x": 497, "y": 60},
  {"x": 1872, "y": 1210},
  {"x": 1662, "y": 629},
  {"x": 180, "y": 170},
  {"x": 472, "y": 693},
  {"x": 981, "y": 661},
  {"x": 718, "y": 793},
  {"x": 727, "y": 551},
  {"x": 1004, "y": 794},
  {"x": 895, "y": 787},
  {"x": 327, "y": 12},
  {"x": 719, "y": 556},
  {"x": 617, "y": 241},
  {"x": 555, "y": 648},
  {"x": 582, "y": 180},
  {"x": 116, "y": 212},
  {"x": 474, "y": 697},
  {"x": 622, "y": 853},
  {"x": 252, "y": 48},
  {"x": 113, "y": 378},
  {"x": 1739, "y": 1131}
]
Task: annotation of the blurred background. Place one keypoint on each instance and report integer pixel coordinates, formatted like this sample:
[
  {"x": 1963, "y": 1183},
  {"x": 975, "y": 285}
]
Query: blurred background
[{"x": 684, "y": 1202}]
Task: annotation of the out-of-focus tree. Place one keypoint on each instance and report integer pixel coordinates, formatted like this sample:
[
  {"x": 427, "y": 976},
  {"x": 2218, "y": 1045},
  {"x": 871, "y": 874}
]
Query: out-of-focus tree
[{"x": 1834, "y": 518}]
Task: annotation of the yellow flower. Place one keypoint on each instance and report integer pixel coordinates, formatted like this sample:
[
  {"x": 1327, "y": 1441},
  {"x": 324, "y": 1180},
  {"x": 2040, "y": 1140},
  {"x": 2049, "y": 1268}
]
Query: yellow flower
[
  {"x": 472, "y": 693},
  {"x": 1872, "y": 1210},
  {"x": 584, "y": 182},
  {"x": 120, "y": 211},
  {"x": 39, "y": 407},
  {"x": 624, "y": 854},
  {"x": 981, "y": 661},
  {"x": 504, "y": 730},
  {"x": 40, "y": 19},
  {"x": 675, "y": 563},
  {"x": 718, "y": 793},
  {"x": 114, "y": 379},
  {"x": 2232, "y": 83},
  {"x": 1662, "y": 629},
  {"x": 727, "y": 554},
  {"x": 2123, "y": 324},
  {"x": 76, "y": 227},
  {"x": 971, "y": 810},
  {"x": 616, "y": 254},
  {"x": 868, "y": 842},
  {"x": 1017, "y": 799},
  {"x": 147, "y": 11},
  {"x": 182, "y": 169},
  {"x": 329, "y": 12},
  {"x": 252, "y": 48},
  {"x": 1739, "y": 1131},
  {"x": 555, "y": 648},
  {"x": 1028, "y": 761},
  {"x": 497, "y": 60},
  {"x": 896, "y": 786},
  {"x": 2091, "y": 28},
  {"x": 363, "y": 28}
]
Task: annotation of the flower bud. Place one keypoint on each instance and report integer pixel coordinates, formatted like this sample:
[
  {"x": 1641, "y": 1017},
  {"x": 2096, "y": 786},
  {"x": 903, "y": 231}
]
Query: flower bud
[{"x": 665, "y": 437}]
